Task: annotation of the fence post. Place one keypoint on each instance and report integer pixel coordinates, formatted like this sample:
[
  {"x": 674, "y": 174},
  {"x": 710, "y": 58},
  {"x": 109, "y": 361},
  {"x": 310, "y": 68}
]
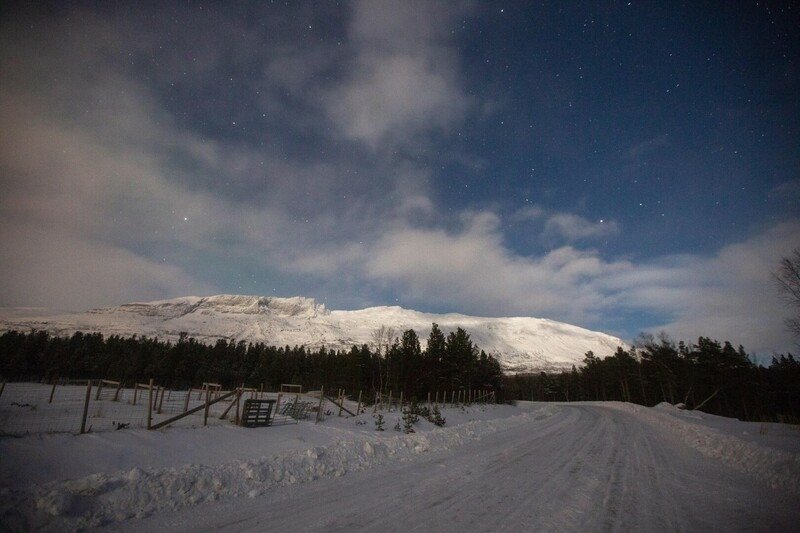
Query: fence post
[
  {"x": 53, "y": 391},
  {"x": 205, "y": 412},
  {"x": 429, "y": 399},
  {"x": 119, "y": 388},
  {"x": 237, "y": 419},
  {"x": 401, "y": 400},
  {"x": 86, "y": 405},
  {"x": 186, "y": 401},
  {"x": 150, "y": 404},
  {"x": 161, "y": 401},
  {"x": 2, "y": 387},
  {"x": 99, "y": 390},
  {"x": 358, "y": 409},
  {"x": 321, "y": 398}
]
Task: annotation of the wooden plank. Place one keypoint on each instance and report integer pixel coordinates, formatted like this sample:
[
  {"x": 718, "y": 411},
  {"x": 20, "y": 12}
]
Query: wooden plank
[
  {"x": 339, "y": 405},
  {"x": 228, "y": 409},
  {"x": 257, "y": 413},
  {"x": 161, "y": 401},
  {"x": 52, "y": 391},
  {"x": 290, "y": 387},
  {"x": 191, "y": 411}
]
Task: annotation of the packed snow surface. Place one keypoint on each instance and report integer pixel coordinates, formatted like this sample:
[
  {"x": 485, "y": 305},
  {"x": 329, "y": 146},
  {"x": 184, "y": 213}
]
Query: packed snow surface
[
  {"x": 565, "y": 467},
  {"x": 520, "y": 343}
]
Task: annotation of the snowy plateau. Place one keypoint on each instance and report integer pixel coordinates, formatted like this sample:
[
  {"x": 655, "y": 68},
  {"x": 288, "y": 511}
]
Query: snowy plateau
[{"x": 521, "y": 344}]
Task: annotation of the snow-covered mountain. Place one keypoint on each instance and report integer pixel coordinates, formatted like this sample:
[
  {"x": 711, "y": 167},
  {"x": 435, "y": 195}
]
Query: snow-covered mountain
[{"x": 521, "y": 344}]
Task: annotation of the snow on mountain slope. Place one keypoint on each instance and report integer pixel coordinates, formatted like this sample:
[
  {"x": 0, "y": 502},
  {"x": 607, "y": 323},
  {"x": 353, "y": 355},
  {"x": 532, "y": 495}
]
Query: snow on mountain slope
[{"x": 521, "y": 344}]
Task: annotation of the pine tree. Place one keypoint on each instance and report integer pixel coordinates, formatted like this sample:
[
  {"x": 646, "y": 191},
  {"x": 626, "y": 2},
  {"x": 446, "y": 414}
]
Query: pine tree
[
  {"x": 437, "y": 418},
  {"x": 433, "y": 358},
  {"x": 408, "y": 421}
]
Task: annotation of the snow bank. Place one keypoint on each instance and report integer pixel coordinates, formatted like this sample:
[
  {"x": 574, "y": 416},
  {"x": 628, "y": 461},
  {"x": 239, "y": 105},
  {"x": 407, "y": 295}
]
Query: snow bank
[
  {"x": 778, "y": 468},
  {"x": 104, "y": 498}
]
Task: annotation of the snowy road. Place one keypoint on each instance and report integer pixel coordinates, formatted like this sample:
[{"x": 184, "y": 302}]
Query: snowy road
[{"x": 585, "y": 468}]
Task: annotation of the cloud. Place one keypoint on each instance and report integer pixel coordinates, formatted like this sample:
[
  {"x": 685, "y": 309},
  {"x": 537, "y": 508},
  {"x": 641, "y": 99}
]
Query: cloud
[
  {"x": 563, "y": 226},
  {"x": 788, "y": 191},
  {"x": 405, "y": 80},
  {"x": 473, "y": 271},
  {"x": 96, "y": 157},
  {"x": 60, "y": 270},
  {"x": 730, "y": 295},
  {"x": 109, "y": 193},
  {"x": 647, "y": 147},
  {"x": 573, "y": 227}
]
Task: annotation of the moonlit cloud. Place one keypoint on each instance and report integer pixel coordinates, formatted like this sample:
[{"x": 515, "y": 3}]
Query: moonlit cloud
[
  {"x": 405, "y": 76},
  {"x": 556, "y": 226},
  {"x": 128, "y": 173}
]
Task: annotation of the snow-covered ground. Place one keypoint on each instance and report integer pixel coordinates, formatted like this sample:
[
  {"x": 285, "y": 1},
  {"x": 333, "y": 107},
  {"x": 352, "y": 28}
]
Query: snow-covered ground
[
  {"x": 521, "y": 344},
  {"x": 578, "y": 466}
]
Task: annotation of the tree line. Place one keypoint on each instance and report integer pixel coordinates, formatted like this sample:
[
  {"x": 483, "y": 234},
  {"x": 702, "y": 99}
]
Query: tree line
[
  {"x": 712, "y": 376},
  {"x": 708, "y": 375},
  {"x": 396, "y": 364}
]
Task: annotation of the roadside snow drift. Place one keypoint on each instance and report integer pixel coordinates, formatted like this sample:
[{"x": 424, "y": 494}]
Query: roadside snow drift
[{"x": 550, "y": 466}]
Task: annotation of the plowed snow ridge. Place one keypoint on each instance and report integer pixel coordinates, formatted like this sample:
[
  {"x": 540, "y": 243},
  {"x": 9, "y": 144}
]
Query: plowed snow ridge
[{"x": 100, "y": 498}]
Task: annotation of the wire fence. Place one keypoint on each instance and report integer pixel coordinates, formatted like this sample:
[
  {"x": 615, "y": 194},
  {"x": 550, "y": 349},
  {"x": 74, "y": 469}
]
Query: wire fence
[{"x": 80, "y": 406}]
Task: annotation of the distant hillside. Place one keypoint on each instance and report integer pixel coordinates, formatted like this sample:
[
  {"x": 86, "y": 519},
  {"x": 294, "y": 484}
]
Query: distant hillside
[{"x": 521, "y": 344}]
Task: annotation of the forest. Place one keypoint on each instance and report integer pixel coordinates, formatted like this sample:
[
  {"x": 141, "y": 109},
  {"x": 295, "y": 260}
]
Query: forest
[
  {"x": 711, "y": 376},
  {"x": 396, "y": 364}
]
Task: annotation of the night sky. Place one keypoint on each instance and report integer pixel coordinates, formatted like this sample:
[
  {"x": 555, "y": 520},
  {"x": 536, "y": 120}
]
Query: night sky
[{"x": 623, "y": 166}]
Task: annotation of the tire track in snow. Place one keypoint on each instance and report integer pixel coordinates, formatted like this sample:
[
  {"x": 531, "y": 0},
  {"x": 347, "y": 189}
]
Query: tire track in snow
[
  {"x": 780, "y": 469},
  {"x": 588, "y": 468}
]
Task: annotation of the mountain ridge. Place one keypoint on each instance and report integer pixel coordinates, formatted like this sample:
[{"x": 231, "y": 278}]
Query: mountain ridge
[{"x": 521, "y": 344}]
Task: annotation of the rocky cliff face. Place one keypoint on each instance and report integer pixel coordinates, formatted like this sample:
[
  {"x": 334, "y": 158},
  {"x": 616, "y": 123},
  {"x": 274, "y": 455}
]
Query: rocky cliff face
[{"x": 297, "y": 306}]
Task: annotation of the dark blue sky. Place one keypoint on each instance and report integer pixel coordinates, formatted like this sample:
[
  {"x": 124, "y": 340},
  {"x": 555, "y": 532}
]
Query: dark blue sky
[{"x": 624, "y": 166}]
